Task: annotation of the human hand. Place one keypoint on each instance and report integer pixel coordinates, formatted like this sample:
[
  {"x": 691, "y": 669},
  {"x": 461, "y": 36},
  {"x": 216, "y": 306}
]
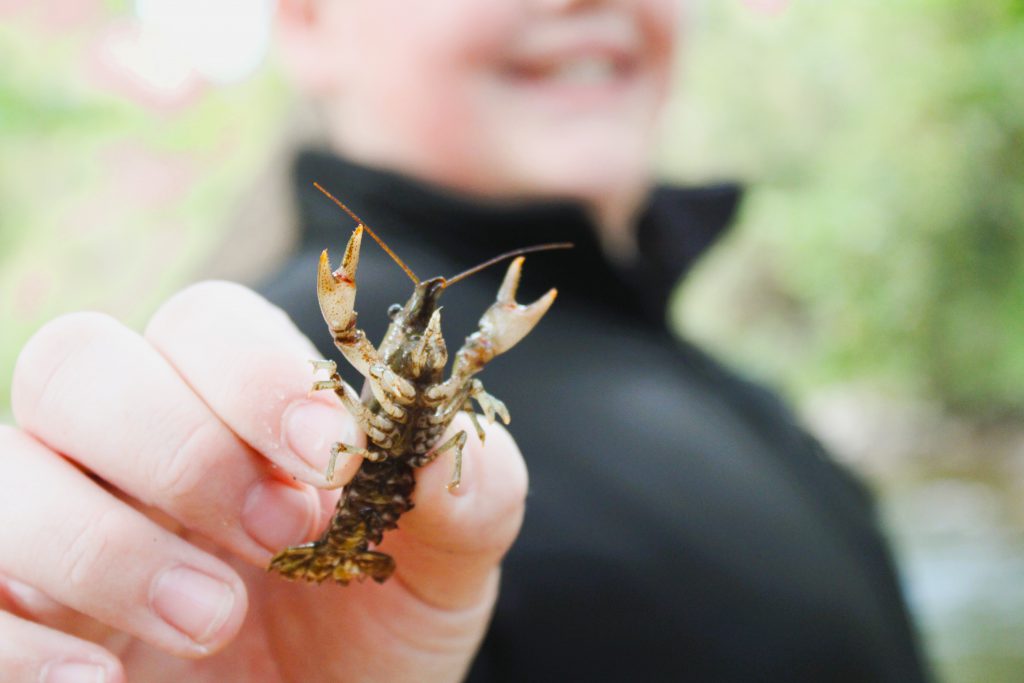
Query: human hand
[{"x": 151, "y": 478}]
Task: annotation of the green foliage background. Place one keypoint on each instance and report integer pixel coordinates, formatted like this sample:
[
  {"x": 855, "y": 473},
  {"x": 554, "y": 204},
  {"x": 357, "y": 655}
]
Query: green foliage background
[
  {"x": 882, "y": 234},
  {"x": 71, "y": 236}
]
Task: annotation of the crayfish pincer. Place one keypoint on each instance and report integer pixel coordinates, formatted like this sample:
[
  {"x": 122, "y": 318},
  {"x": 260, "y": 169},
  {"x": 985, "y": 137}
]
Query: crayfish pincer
[{"x": 408, "y": 404}]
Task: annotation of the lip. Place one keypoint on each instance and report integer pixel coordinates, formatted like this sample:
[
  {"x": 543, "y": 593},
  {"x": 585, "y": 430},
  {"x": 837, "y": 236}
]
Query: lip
[
  {"x": 579, "y": 74},
  {"x": 540, "y": 56},
  {"x": 616, "y": 61}
]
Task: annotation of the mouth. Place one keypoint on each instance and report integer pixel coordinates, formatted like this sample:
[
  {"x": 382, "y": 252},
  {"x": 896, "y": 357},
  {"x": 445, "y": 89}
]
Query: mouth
[
  {"x": 587, "y": 63},
  {"x": 584, "y": 70},
  {"x": 584, "y": 82}
]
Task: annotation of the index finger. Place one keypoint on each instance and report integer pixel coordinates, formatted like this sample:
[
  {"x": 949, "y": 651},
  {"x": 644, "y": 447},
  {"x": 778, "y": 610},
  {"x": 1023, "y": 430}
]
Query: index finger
[{"x": 250, "y": 364}]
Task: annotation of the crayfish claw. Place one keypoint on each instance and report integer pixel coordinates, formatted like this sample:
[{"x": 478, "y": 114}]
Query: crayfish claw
[
  {"x": 507, "y": 322},
  {"x": 507, "y": 291},
  {"x": 336, "y": 290}
]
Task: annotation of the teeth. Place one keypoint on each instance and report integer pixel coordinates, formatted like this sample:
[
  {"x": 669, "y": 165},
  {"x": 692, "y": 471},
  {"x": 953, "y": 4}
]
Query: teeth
[{"x": 584, "y": 71}]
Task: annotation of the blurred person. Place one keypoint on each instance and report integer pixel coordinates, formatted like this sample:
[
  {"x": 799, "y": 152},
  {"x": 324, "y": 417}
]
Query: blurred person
[{"x": 680, "y": 524}]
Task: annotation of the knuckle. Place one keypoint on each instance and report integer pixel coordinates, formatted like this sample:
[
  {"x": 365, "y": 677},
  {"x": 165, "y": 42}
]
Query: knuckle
[
  {"x": 201, "y": 316},
  {"x": 187, "y": 307},
  {"x": 48, "y": 352},
  {"x": 10, "y": 438},
  {"x": 210, "y": 290},
  {"x": 182, "y": 307},
  {"x": 178, "y": 477},
  {"x": 15, "y": 444},
  {"x": 89, "y": 544}
]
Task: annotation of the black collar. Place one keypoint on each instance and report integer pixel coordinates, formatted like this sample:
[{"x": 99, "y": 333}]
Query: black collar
[{"x": 678, "y": 225}]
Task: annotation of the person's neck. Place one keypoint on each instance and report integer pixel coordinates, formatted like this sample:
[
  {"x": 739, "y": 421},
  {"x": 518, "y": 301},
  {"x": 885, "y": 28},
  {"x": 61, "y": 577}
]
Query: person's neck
[{"x": 616, "y": 218}]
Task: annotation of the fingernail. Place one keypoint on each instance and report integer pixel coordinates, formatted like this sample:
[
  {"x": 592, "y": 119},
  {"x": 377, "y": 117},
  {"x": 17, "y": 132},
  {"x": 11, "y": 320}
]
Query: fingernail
[
  {"x": 276, "y": 515},
  {"x": 192, "y": 602},
  {"x": 311, "y": 428},
  {"x": 74, "y": 672}
]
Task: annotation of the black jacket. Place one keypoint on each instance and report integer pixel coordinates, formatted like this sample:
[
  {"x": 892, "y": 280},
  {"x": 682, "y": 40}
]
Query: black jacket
[{"x": 680, "y": 525}]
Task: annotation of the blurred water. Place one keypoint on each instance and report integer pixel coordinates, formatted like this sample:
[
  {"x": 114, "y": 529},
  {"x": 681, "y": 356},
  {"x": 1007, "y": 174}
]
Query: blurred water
[
  {"x": 961, "y": 557},
  {"x": 951, "y": 496}
]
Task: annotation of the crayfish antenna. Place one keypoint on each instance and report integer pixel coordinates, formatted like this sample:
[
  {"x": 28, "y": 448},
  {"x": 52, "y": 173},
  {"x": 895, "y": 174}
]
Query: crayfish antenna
[{"x": 362, "y": 225}]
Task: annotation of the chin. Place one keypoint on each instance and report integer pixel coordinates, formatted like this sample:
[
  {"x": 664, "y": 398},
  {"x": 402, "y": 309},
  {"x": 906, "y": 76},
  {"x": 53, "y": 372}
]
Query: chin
[{"x": 587, "y": 172}]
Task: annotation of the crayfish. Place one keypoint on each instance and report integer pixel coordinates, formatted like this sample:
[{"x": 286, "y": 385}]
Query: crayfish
[{"x": 406, "y": 405}]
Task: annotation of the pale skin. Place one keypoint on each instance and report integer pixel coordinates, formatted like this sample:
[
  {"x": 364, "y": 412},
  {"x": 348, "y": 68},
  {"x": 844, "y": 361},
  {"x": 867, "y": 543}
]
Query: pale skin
[
  {"x": 194, "y": 442},
  {"x": 150, "y": 476}
]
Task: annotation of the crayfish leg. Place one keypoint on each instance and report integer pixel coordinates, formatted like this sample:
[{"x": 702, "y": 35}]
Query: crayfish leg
[
  {"x": 457, "y": 442},
  {"x": 480, "y": 433},
  {"x": 339, "y": 448}
]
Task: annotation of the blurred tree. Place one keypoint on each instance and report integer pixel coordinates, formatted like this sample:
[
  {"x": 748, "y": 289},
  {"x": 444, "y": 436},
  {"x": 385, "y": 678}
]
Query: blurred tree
[
  {"x": 109, "y": 203},
  {"x": 882, "y": 237}
]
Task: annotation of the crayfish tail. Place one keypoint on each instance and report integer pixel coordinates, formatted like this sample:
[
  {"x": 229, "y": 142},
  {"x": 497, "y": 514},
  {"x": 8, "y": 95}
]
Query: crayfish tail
[
  {"x": 318, "y": 561},
  {"x": 370, "y": 505}
]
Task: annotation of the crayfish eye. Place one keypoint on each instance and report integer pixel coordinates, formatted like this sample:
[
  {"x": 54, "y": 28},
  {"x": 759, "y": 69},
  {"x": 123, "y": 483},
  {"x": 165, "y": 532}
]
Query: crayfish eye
[{"x": 394, "y": 310}]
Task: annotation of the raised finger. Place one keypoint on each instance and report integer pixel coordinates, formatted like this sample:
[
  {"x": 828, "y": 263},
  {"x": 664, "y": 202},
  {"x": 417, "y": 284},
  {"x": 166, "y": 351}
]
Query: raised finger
[
  {"x": 251, "y": 365},
  {"x": 96, "y": 392}
]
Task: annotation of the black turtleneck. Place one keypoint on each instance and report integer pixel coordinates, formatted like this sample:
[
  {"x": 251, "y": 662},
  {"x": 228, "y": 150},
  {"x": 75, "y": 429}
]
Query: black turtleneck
[{"x": 679, "y": 525}]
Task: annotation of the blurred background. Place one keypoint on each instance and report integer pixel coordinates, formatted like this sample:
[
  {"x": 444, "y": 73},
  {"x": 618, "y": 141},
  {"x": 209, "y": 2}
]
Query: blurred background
[{"x": 875, "y": 275}]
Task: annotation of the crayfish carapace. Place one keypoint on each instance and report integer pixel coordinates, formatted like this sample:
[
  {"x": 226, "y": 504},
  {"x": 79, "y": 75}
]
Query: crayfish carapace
[{"x": 407, "y": 403}]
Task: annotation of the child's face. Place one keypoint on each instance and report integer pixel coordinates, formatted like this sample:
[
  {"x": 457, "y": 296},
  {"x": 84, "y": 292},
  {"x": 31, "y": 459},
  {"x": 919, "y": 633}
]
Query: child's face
[{"x": 497, "y": 97}]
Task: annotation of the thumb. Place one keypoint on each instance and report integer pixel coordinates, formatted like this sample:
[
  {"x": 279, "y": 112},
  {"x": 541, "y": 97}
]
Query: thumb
[
  {"x": 427, "y": 621},
  {"x": 448, "y": 547}
]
